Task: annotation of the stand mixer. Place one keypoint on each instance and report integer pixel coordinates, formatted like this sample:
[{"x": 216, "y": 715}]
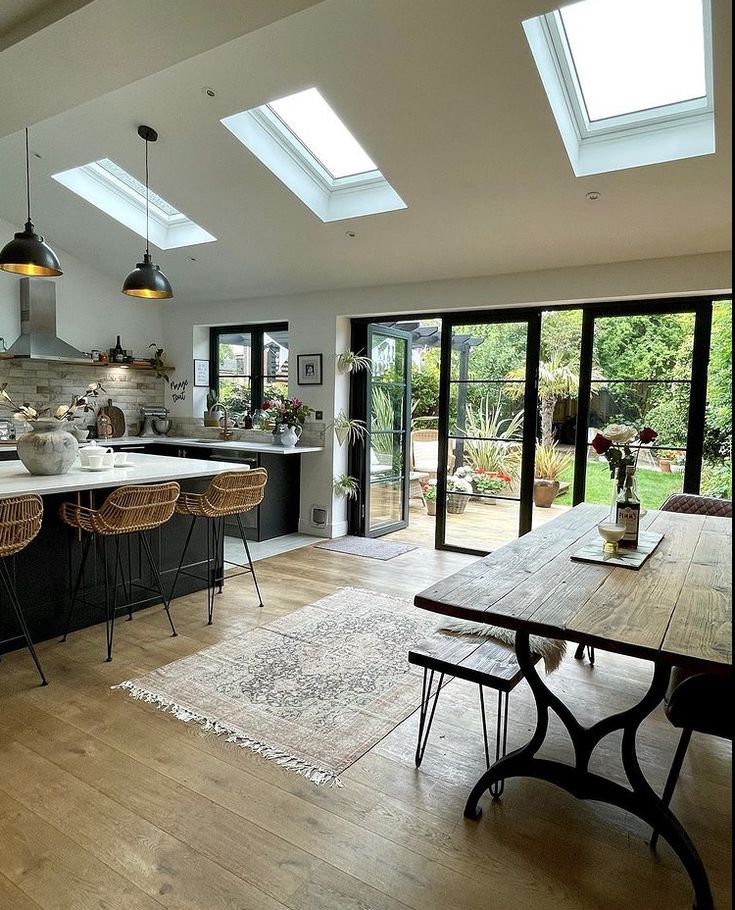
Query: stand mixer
[{"x": 152, "y": 419}]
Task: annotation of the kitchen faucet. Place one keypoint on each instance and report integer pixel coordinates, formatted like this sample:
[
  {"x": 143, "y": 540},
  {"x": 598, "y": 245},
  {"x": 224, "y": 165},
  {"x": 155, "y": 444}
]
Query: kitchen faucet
[{"x": 225, "y": 432}]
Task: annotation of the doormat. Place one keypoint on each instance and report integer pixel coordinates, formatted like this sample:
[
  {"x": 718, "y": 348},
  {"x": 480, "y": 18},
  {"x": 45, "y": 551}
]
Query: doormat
[
  {"x": 368, "y": 547},
  {"x": 312, "y": 691}
]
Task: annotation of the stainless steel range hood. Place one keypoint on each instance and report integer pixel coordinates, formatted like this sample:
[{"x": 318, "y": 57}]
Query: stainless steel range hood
[{"x": 38, "y": 339}]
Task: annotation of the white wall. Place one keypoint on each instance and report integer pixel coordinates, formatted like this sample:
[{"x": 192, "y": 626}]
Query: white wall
[
  {"x": 91, "y": 311},
  {"x": 319, "y": 322}
]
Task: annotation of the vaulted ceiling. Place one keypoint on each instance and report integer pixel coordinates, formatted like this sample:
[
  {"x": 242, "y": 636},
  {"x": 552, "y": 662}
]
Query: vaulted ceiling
[{"x": 443, "y": 95}]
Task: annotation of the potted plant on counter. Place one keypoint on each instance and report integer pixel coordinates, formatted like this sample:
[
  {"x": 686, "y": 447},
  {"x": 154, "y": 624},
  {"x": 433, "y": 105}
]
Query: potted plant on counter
[
  {"x": 288, "y": 415},
  {"x": 551, "y": 463},
  {"x": 48, "y": 448}
]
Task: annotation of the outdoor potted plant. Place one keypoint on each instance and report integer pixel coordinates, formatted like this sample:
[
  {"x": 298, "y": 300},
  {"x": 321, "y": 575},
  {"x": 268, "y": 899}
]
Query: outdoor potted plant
[
  {"x": 429, "y": 491},
  {"x": 665, "y": 459},
  {"x": 550, "y": 464},
  {"x": 489, "y": 484},
  {"x": 457, "y": 490},
  {"x": 679, "y": 463}
]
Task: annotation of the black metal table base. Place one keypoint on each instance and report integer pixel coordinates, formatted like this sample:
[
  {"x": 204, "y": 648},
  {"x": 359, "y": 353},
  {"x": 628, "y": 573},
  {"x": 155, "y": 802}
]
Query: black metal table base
[{"x": 639, "y": 799}]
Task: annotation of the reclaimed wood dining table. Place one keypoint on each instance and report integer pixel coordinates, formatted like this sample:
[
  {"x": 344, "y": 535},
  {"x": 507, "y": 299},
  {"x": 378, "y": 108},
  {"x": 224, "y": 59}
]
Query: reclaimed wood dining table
[{"x": 676, "y": 610}]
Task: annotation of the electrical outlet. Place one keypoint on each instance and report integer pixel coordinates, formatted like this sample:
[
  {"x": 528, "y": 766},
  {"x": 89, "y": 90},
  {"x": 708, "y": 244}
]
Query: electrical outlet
[{"x": 318, "y": 415}]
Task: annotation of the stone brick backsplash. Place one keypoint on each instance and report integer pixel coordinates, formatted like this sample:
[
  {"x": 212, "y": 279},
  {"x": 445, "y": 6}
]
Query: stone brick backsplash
[
  {"x": 45, "y": 384},
  {"x": 313, "y": 435}
]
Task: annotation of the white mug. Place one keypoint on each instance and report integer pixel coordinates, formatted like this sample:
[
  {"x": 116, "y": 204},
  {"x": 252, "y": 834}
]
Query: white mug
[
  {"x": 95, "y": 461},
  {"x": 108, "y": 458},
  {"x": 121, "y": 458}
]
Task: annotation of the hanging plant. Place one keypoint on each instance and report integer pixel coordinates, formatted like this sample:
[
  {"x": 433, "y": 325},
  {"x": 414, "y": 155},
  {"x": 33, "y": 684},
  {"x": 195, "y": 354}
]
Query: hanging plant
[
  {"x": 348, "y": 429},
  {"x": 347, "y": 486},
  {"x": 158, "y": 361},
  {"x": 349, "y": 362}
]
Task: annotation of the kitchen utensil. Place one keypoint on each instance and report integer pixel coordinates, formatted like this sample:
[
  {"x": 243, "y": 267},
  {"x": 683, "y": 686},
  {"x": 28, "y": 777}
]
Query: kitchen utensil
[
  {"x": 121, "y": 458},
  {"x": 117, "y": 418},
  {"x": 147, "y": 414}
]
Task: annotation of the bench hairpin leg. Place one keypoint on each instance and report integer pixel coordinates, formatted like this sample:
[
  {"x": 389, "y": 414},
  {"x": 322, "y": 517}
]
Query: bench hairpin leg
[
  {"x": 426, "y": 713},
  {"x": 579, "y": 653},
  {"x": 501, "y": 739}
]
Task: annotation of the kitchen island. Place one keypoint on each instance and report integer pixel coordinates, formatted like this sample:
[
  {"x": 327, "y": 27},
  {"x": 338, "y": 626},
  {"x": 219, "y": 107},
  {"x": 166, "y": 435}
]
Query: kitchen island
[{"x": 44, "y": 570}]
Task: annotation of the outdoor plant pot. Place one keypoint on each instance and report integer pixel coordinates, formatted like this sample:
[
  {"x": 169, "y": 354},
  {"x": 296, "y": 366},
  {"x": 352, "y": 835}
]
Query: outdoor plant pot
[
  {"x": 456, "y": 503},
  {"x": 545, "y": 492},
  {"x": 665, "y": 465},
  {"x": 430, "y": 506}
]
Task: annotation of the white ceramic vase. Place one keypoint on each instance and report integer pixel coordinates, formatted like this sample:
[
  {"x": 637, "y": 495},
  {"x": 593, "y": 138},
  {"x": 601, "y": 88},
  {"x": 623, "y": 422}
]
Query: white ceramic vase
[
  {"x": 290, "y": 436},
  {"x": 48, "y": 447}
]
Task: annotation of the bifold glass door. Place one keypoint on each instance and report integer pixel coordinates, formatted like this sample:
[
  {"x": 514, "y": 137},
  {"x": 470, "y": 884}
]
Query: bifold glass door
[
  {"x": 387, "y": 469},
  {"x": 487, "y": 432}
]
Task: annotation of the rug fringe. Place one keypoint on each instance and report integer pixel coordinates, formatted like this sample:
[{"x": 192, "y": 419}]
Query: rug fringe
[{"x": 318, "y": 776}]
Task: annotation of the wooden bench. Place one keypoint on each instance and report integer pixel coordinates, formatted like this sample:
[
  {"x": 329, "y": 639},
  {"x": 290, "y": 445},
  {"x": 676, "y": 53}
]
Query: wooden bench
[{"x": 475, "y": 659}]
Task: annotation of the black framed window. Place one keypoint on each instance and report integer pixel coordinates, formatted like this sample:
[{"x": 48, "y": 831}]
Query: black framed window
[{"x": 249, "y": 364}]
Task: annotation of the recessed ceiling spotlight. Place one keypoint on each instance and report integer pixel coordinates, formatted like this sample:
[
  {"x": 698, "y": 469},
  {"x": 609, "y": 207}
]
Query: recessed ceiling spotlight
[
  {"x": 209, "y": 92},
  {"x": 350, "y": 234},
  {"x": 593, "y": 196}
]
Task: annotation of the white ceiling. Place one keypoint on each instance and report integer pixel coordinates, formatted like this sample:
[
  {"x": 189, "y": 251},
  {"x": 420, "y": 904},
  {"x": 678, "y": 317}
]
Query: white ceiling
[{"x": 443, "y": 94}]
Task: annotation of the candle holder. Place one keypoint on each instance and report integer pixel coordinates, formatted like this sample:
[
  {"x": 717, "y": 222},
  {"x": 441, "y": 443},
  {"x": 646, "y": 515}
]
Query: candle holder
[{"x": 611, "y": 533}]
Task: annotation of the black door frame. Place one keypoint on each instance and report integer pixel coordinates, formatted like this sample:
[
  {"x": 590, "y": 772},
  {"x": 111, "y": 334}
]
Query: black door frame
[
  {"x": 365, "y": 484},
  {"x": 701, "y": 305}
]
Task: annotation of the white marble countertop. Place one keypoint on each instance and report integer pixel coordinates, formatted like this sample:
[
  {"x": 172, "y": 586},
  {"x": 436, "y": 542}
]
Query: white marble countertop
[
  {"x": 16, "y": 481},
  {"x": 233, "y": 445}
]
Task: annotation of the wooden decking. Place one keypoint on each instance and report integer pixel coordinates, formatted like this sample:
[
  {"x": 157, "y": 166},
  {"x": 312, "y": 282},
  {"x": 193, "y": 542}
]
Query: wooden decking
[
  {"x": 480, "y": 526},
  {"x": 108, "y": 803}
]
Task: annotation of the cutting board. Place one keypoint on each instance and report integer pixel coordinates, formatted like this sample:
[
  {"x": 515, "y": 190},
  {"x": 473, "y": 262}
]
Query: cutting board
[{"x": 117, "y": 418}]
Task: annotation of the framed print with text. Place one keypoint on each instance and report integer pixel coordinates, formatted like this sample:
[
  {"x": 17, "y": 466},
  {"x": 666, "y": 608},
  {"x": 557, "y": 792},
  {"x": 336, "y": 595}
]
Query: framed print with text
[{"x": 201, "y": 373}]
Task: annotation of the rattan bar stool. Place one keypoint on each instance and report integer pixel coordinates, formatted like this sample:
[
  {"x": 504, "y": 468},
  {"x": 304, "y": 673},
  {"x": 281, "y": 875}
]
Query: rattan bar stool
[
  {"x": 127, "y": 510},
  {"x": 229, "y": 494},
  {"x": 20, "y": 522}
]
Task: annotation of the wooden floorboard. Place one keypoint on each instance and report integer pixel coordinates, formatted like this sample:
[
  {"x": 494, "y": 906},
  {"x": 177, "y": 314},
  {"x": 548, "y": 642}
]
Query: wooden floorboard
[{"x": 106, "y": 802}]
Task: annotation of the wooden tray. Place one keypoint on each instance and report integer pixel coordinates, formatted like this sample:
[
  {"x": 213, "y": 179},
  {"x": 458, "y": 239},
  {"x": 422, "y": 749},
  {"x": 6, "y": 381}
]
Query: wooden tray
[{"x": 625, "y": 559}]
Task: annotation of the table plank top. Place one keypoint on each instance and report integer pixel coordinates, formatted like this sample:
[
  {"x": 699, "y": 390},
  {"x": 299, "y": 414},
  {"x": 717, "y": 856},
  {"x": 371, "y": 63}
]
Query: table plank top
[{"x": 676, "y": 608}]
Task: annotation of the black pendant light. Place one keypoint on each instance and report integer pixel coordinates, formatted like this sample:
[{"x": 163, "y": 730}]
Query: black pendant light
[
  {"x": 146, "y": 279},
  {"x": 27, "y": 254}
]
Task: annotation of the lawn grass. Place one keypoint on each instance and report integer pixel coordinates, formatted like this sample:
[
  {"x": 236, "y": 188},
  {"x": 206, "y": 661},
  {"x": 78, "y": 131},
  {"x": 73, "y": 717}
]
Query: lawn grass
[{"x": 653, "y": 486}]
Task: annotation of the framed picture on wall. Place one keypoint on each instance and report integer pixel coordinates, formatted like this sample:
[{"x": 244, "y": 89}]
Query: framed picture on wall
[
  {"x": 201, "y": 373},
  {"x": 309, "y": 370}
]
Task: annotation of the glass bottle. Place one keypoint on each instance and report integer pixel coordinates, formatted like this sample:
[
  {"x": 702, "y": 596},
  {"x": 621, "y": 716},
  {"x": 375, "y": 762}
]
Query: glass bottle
[
  {"x": 118, "y": 354},
  {"x": 628, "y": 509}
]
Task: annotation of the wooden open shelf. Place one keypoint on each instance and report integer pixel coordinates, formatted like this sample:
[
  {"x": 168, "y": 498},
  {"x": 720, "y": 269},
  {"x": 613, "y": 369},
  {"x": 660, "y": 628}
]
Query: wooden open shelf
[{"x": 147, "y": 368}]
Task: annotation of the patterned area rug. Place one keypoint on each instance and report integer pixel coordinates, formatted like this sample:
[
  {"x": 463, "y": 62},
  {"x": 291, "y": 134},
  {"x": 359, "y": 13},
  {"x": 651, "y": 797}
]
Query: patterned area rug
[
  {"x": 312, "y": 691},
  {"x": 368, "y": 547}
]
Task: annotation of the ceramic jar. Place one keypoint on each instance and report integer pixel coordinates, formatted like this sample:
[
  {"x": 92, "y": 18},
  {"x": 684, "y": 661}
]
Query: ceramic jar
[
  {"x": 48, "y": 447},
  {"x": 290, "y": 436}
]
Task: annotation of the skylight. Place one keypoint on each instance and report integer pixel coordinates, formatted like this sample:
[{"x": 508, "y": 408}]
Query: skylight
[
  {"x": 629, "y": 81},
  {"x": 302, "y": 140},
  {"x": 635, "y": 55},
  {"x": 114, "y": 191},
  {"x": 314, "y": 123}
]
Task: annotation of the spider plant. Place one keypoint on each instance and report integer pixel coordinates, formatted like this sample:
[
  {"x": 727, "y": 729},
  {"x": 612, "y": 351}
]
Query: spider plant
[
  {"x": 348, "y": 429},
  {"x": 350, "y": 362},
  {"x": 347, "y": 486}
]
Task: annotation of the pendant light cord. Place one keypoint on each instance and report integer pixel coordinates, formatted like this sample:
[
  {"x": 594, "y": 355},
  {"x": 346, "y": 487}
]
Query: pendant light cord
[
  {"x": 147, "y": 204},
  {"x": 28, "y": 177}
]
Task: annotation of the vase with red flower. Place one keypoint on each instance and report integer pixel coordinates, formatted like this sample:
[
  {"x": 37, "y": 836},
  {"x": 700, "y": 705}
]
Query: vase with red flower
[{"x": 620, "y": 445}]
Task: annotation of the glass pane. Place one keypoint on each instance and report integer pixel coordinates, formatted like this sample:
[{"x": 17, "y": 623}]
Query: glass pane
[
  {"x": 388, "y": 356},
  {"x": 656, "y": 479},
  {"x": 275, "y": 355},
  {"x": 234, "y": 351},
  {"x": 481, "y": 524},
  {"x": 717, "y": 467},
  {"x": 644, "y": 347},
  {"x": 386, "y": 455},
  {"x": 660, "y": 42},
  {"x": 486, "y": 410},
  {"x": 274, "y": 390},
  {"x": 235, "y": 396},
  {"x": 386, "y": 503},
  {"x": 484, "y": 467},
  {"x": 494, "y": 351},
  {"x": 387, "y": 407},
  {"x": 661, "y": 405}
]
